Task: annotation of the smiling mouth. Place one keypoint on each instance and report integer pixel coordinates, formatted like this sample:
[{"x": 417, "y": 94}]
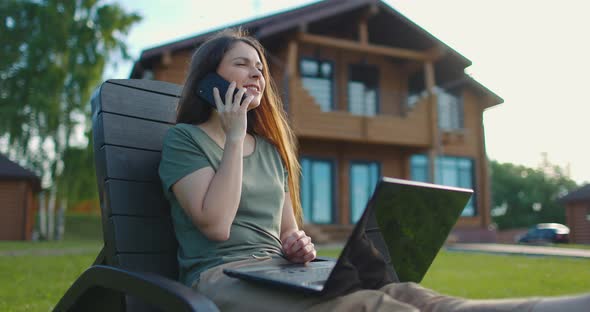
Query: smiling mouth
[{"x": 252, "y": 88}]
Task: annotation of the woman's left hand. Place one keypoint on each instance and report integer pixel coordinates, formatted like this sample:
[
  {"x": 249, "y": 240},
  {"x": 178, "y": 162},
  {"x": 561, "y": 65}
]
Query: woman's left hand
[{"x": 298, "y": 247}]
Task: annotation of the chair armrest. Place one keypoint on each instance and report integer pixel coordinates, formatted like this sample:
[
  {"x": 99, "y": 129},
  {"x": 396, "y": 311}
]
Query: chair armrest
[{"x": 151, "y": 288}]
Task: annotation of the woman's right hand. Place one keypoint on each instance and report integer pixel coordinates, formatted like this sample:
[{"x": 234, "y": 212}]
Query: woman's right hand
[{"x": 231, "y": 113}]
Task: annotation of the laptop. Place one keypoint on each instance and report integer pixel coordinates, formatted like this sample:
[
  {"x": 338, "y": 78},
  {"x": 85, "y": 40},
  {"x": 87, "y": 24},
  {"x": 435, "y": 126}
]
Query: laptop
[{"x": 400, "y": 232}]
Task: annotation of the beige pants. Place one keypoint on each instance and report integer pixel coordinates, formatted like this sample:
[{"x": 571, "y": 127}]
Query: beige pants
[{"x": 231, "y": 294}]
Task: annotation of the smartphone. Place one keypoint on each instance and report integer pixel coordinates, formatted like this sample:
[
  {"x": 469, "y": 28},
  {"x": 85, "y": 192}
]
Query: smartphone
[{"x": 206, "y": 85}]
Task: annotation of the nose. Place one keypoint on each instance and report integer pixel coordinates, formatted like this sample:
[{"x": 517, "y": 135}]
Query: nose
[{"x": 255, "y": 73}]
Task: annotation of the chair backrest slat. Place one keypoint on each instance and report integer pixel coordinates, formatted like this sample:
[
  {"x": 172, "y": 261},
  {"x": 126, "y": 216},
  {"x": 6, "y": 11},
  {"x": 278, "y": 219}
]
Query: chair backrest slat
[
  {"x": 163, "y": 263},
  {"x": 130, "y": 198},
  {"x": 124, "y": 163},
  {"x": 132, "y": 132},
  {"x": 156, "y": 101},
  {"x": 142, "y": 234}
]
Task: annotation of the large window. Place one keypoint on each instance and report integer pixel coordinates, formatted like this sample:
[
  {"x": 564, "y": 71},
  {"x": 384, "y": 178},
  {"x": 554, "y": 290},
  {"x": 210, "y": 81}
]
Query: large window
[
  {"x": 363, "y": 180},
  {"x": 363, "y": 88},
  {"x": 450, "y": 110},
  {"x": 451, "y": 171},
  {"x": 317, "y": 77},
  {"x": 317, "y": 190}
]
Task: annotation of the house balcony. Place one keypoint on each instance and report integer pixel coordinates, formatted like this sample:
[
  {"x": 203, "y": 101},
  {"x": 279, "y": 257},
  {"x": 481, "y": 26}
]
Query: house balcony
[{"x": 407, "y": 126}]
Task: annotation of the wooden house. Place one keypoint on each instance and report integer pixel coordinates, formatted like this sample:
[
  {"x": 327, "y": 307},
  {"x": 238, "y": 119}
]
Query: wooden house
[
  {"x": 369, "y": 93},
  {"x": 18, "y": 187},
  {"x": 577, "y": 214}
]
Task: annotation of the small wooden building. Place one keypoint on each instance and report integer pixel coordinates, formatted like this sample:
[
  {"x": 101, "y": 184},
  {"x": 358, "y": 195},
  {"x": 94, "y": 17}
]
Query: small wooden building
[
  {"x": 368, "y": 93},
  {"x": 577, "y": 214},
  {"x": 18, "y": 187}
]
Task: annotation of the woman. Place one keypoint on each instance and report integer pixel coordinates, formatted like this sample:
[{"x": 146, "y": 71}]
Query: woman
[{"x": 231, "y": 176}]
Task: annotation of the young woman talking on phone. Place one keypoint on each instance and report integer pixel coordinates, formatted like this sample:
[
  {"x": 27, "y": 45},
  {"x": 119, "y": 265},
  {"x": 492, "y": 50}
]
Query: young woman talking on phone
[{"x": 231, "y": 175}]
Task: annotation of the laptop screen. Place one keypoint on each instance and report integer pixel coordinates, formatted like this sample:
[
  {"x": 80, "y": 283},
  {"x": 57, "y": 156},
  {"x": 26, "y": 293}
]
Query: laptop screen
[{"x": 414, "y": 220}]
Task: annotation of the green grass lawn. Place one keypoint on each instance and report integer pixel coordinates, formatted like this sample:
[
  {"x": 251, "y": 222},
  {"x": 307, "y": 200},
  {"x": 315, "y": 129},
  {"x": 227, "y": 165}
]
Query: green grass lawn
[
  {"x": 36, "y": 282},
  {"x": 480, "y": 276}
]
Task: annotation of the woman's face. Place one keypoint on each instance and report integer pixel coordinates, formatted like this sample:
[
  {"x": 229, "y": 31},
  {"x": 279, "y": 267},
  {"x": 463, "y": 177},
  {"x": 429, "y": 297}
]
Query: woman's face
[{"x": 242, "y": 65}]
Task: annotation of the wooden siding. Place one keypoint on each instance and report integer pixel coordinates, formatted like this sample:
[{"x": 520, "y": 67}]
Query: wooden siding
[
  {"x": 576, "y": 218},
  {"x": 175, "y": 70},
  {"x": 13, "y": 210}
]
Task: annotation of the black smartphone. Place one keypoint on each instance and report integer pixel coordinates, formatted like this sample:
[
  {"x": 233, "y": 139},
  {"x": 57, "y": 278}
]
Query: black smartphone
[{"x": 206, "y": 85}]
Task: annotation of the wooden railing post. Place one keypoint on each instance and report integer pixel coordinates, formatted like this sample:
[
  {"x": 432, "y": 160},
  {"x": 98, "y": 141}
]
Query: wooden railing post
[
  {"x": 291, "y": 76},
  {"x": 432, "y": 101}
]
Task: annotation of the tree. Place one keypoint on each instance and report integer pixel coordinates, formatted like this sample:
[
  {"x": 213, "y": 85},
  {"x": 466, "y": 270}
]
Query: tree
[
  {"x": 52, "y": 56},
  {"x": 524, "y": 196}
]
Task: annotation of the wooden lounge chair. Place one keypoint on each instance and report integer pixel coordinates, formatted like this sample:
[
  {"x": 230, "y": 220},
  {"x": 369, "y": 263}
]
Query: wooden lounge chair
[{"x": 137, "y": 267}]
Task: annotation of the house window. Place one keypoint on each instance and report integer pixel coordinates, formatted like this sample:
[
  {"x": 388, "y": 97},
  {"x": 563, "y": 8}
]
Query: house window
[
  {"x": 363, "y": 180},
  {"x": 363, "y": 89},
  {"x": 317, "y": 190},
  {"x": 451, "y": 171},
  {"x": 450, "y": 110},
  {"x": 317, "y": 77}
]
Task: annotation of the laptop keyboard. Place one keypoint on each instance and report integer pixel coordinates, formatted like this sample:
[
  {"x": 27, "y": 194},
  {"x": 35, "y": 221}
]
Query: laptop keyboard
[{"x": 300, "y": 275}]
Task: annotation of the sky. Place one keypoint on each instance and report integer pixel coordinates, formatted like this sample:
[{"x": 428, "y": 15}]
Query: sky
[{"x": 534, "y": 54}]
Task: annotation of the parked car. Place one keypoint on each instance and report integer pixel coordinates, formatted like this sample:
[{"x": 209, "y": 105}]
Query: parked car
[{"x": 546, "y": 233}]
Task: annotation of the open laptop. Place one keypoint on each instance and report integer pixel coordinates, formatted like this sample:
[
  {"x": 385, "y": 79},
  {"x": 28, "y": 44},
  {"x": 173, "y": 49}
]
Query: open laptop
[{"x": 403, "y": 227}]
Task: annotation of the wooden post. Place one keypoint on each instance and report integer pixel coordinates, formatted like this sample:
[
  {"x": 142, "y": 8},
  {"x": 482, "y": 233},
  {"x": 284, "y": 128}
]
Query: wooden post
[
  {"x": 433, "y": 152},
  {"x": 485, "y": 201},
  {"x": 291, "y": 76},
  {"x": 51, "y": 215},
  {"x": 42, "y": 216},
  {"x": 369, "y": 12},
  {"x": 363, "y": 32}
]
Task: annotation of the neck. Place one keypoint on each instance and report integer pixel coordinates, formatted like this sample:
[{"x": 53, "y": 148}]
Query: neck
[{"x": 214, "y": 124}]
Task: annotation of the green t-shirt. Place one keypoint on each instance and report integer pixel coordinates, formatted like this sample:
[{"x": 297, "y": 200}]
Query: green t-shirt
[{"x": 256, "y": 227}]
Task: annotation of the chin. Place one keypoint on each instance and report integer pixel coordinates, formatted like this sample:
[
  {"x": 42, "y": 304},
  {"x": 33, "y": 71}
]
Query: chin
[{"x": 253, "y": 104}]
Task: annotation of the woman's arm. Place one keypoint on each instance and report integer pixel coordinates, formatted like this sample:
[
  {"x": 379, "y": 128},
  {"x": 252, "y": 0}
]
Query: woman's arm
[
  {"x": 211, "y": 199},
  {"x": 297, "y": 246}
]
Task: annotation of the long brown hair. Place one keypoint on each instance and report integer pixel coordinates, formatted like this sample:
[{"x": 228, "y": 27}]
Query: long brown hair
[{"x": 267, "y": 120}]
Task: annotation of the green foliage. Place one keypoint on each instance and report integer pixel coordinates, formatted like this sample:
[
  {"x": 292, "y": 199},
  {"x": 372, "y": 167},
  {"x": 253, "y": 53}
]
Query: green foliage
[
  {"x": 78, "y": 180},
  {"x": 52, "y": 56},
  {"x": 519, "y": 190}
]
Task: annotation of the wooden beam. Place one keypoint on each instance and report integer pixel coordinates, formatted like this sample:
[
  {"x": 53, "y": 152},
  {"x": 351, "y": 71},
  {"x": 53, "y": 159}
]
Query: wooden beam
[
  {"x": 292, "y": 58},
  {"x": 369, "y": 48},
  {"x": 429, "y": 77},
  {"x": 434, "y": 148},
  {"x": 363, "y": 27},
  {"x": 437, "y": 52},
  {"x": 363, "y": 32}
]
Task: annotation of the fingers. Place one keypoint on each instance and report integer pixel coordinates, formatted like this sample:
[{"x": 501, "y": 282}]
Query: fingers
[
  {"x": 232, "y": 102},
  {"x": 299, "y": 248},
  {"x": 237, "y": 100},
  {"x": 305, "y": 254},
  {"x": 246, "y": 103},
  {"x": 292, "y": 239},
  {"x": 229, "y": 93},
  {"x": 217, "y": 99}
]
